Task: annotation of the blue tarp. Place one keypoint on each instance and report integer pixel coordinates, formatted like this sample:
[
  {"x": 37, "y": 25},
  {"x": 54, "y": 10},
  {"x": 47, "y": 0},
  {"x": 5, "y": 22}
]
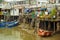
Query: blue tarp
[
  {"x": 27, "y": 10},
  {"x": 42, "y": 9},
  {"x": 9, "y": 24}
]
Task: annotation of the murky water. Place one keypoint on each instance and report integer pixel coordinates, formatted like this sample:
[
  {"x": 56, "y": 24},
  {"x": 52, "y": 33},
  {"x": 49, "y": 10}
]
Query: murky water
[
  {"x": 15, "y": 34},
  {"x": 18, "y": 34},
  {"x": 54, "y": 37}
]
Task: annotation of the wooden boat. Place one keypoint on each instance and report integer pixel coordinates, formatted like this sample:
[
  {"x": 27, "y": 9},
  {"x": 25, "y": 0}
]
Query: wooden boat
[
  {"x": 42, "y": 32},
  {"x": 8, "y": 24}
]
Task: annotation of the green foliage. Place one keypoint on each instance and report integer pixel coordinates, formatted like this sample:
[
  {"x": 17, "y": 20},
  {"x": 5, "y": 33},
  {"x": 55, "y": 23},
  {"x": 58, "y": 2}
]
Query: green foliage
[
  {"x": 33, "y": 14},
  {"x": 53, "y": 12},
  {"x": 0, "y": 0},
  {"x": 42, "y": 13}
]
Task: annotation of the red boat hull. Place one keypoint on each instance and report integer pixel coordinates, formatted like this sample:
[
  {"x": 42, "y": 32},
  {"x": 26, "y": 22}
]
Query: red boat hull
[{"x": 44, "y": 33}]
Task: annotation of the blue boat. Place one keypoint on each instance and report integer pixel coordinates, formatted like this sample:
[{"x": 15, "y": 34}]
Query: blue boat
[
  {"x": 8, "y": 24},
  {"x": 2, "y": 24}
]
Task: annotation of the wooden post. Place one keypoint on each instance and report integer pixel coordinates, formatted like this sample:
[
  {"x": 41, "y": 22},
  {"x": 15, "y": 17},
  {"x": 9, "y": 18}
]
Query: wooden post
[
  {"x": 48, "y": 25},
  {"x": 37, "y": 24},
  {"x": 23, "y": 15},
  {"x": 54, "y": 27},
  {"x": 19, "y": 16},
  {"x": 44, "y": 25},
  {"x": 58, "y": 27}
]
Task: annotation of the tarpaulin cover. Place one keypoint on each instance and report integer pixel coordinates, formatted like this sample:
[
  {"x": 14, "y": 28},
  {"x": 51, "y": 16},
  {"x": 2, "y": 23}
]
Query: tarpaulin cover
[
  {"x": 27, "y": 10},
  {"x": 8, "y": 24},
  {"x": 42, "y": 9}
]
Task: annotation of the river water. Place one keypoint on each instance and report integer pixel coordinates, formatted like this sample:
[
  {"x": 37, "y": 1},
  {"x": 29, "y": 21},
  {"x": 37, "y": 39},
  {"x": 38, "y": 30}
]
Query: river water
[{"x": 17, "y": 33}]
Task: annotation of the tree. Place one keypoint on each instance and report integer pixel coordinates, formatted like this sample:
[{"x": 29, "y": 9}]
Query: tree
[{"x": 0, "y": 1}]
